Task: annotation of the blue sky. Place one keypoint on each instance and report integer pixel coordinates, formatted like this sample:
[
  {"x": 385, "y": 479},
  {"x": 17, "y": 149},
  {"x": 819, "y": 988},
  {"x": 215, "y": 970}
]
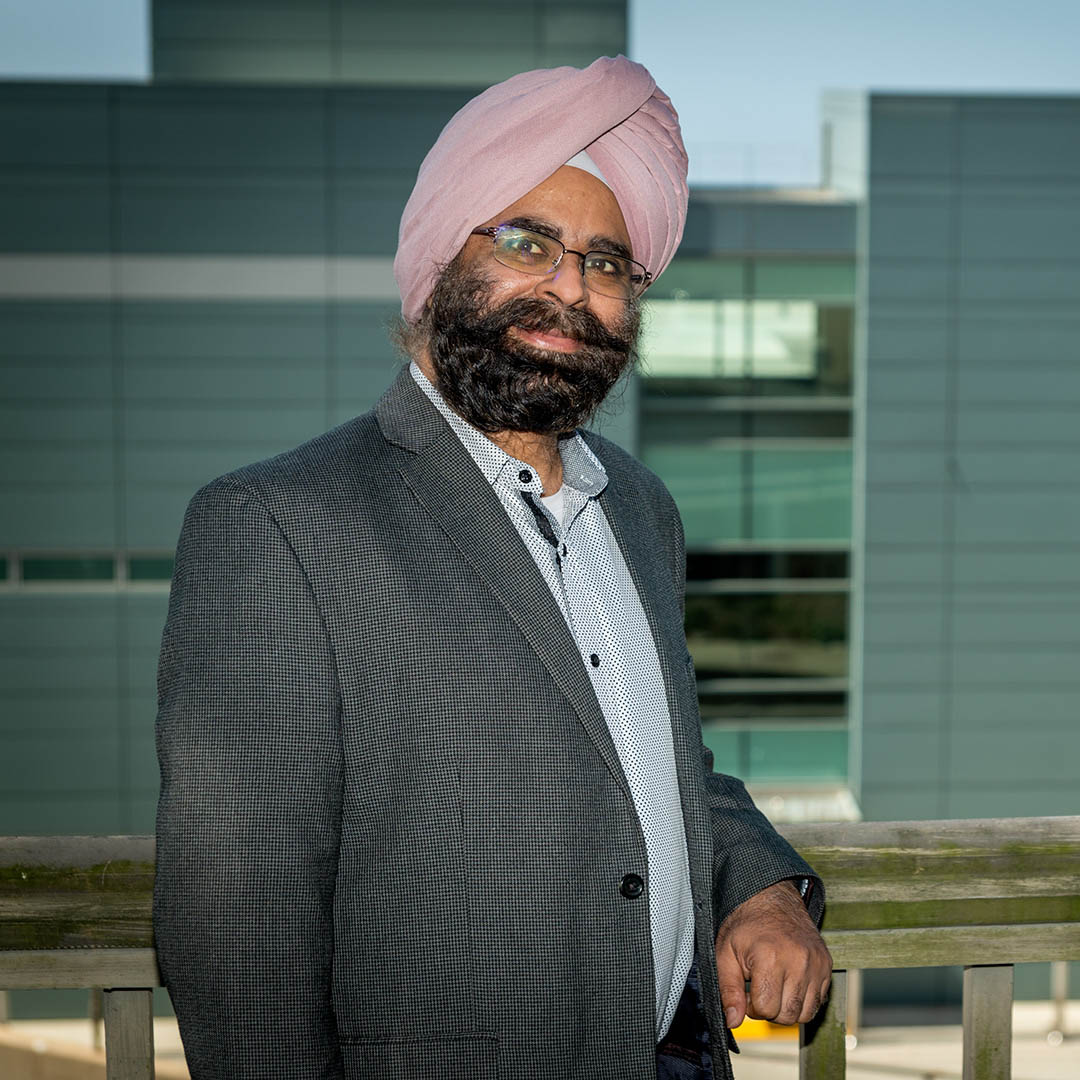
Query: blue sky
[{"x": 745, "y": 77}]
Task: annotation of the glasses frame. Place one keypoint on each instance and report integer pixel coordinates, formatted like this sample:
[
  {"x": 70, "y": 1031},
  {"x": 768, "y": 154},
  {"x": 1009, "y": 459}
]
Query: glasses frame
[{"x": 493, "y": 232}]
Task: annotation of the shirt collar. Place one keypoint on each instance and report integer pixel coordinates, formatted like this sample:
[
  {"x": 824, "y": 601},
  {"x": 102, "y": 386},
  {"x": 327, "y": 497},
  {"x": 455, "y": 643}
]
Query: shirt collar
[{"x": 582, "y": 470}]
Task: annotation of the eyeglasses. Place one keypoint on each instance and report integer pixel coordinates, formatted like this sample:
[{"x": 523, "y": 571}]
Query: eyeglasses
[{"x": 537, "y": 253}]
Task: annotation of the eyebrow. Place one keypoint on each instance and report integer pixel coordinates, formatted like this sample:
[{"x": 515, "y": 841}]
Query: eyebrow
[{"x": 606, "y": 244}]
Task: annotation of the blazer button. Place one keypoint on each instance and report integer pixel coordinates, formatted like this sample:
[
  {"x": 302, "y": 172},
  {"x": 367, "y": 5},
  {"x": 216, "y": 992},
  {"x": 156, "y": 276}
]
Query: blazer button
[{"x": 632, "y": 886}]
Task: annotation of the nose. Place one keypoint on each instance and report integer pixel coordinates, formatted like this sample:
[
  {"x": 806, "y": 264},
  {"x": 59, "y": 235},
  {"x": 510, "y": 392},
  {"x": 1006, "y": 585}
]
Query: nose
[{"x": 565, "y": 283}]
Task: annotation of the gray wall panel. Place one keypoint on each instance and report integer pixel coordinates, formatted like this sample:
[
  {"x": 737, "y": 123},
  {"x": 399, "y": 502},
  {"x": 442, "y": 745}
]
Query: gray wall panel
[
  {"x": 891, "y": 566},
  {"x": 212, "y": 129},
  {"x": 903, "y": 710},
  {"x": 47, "y": 126},
  {"x": 905, "y": 517},
  {"x": 971, "y": 266},
  {"x": 1046, "y": 569},
  {"x": 215, "y": 214},
  {"x": 989, "y": 339},
  {"x": 45, "y": 213}
]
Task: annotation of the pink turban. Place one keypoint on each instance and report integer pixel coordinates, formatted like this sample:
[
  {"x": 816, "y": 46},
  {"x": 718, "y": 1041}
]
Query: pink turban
[{"x": 517, "y": 133}]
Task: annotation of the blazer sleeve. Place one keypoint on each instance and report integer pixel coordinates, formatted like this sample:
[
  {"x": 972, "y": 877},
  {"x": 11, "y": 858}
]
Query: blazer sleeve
[
  {"x": 748, "y": 853},
  {"x": 249, "y": 815}
]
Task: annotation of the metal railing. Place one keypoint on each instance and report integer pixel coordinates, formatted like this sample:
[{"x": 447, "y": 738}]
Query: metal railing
[{"x": 984, "y": 894}]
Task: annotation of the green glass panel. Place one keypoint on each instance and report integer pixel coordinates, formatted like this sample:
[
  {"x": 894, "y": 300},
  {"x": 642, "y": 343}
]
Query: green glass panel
[
  {"x": 150, "y": 568},
  {"x": 791, "y": 279},
  {"x": 793, "y": 754},
  {"x": 724, "y": 743},
  {"x": 801, "y": 494},
  {"x": 65, "y": 568},
  {"x": 768, "y": 635},
  {"x": 707, "y": 487},
  {"x": 3, "y": 568},
  {"x": 700, "y": 279}
]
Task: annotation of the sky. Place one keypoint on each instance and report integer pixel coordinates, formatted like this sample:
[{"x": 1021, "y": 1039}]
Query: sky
[{"x": 745, "y": 77}]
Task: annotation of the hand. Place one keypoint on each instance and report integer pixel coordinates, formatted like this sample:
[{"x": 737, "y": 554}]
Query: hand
[{"x": 771, "y": 941}]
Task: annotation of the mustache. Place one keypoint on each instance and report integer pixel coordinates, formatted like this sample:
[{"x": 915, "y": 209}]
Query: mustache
[{"x": 543, "y": 316}]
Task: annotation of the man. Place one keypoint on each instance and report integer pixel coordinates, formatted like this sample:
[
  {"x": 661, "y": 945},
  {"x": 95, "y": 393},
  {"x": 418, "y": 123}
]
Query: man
[{"x": 434, "y": 797}]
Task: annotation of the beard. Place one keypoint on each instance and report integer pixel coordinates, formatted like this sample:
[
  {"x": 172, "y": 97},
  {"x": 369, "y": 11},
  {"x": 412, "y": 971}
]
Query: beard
[{"x": 499, "y": 383}]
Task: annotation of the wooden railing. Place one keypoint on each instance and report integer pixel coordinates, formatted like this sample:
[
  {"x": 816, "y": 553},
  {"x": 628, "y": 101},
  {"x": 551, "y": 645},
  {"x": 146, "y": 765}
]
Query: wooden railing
[{"x": 75, "y": 912}]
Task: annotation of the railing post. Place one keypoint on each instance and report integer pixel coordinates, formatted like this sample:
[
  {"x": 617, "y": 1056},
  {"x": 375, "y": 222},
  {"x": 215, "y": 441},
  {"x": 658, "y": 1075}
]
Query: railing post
[
  {"x": 988, "y": 1000},
  {"x": 129, "y": 1034},
  {"x": 822, "y": 1051},
  {"x": 1059, "y": 994}
]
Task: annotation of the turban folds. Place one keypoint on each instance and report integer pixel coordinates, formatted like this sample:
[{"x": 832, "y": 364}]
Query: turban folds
[{"x": 517, "y": 133}]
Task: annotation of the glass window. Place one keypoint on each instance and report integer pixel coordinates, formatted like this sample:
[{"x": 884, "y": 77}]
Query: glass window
[
  {"x": 768, "y": 635},
  {"x": 800, "y": 494},
  {"x": 788, "y": 347},
  {"x": 68, "y": 568},
  {"x": 706, "y": 484}
]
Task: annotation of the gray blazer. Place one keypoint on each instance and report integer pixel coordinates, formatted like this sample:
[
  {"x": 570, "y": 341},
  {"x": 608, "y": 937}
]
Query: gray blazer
[{"x": 393, "y": 824}]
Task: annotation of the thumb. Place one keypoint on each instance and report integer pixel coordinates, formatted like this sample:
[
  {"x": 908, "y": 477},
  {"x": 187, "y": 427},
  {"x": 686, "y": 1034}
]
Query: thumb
[{"x": 732, "y": 981}]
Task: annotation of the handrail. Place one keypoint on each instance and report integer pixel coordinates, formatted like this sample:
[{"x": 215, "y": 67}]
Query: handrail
[{"x": 985, "y": 894}]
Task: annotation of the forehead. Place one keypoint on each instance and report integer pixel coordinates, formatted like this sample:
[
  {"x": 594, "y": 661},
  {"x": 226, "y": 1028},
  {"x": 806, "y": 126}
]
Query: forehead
[{"x": 580, "y": 205}]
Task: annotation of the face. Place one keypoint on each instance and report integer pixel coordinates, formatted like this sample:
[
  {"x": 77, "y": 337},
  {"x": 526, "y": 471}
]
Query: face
[{"x": 512, "y": 351}]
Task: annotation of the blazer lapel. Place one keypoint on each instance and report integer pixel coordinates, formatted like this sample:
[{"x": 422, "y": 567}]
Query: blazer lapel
[{"x": 446, "y": 480}]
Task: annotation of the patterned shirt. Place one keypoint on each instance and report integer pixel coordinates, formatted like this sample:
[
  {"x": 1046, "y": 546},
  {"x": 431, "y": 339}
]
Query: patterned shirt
[{"x": 588, "y": 577}]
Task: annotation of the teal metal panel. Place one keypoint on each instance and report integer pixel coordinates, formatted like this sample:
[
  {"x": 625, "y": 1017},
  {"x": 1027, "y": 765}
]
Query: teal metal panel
[
  {"x": 83, "y": 517},
  {"x": 378, "y": 130},
  {"x": 897, "y": 709},
  {"x": 86, "y": 378},
  {"x": 912, "y": 138},
  {"x": 42, "y": 212},
  {"x": 893, "y": 667},
  {"x": 801, "y": 494},
  {"x": 903, "y": 339},
  {"x": 992, "y": 338},
  {"x": 797, "y": 755},
  {"x": 182, "y": 331},
  {"x": 153, "y": 514},
  {"x": 225, "y": 423},
  {"x": 206, "y": 213},
  {"x": 905, "y": 621},
  {"x": 365, "y": 212},
  {"x": 48, "y": 126},
  {"x": 997, "y": 799},
  {"x": 76, "y": 765},
  {"x": 26, "y": 813},
  {"x": 909, "y": 800},
  {"x": 33, "y": 331},
  {"x": 889, "y": 569},
  {"x": 208, "y": 129},
  {"x": 918, "y": 425},
  {"x": 905, "y": 517}
]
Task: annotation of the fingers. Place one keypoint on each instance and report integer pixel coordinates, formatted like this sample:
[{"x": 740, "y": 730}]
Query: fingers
[
  {"x": 789, "y": 988},
  {"x": 732, "y": 980}
]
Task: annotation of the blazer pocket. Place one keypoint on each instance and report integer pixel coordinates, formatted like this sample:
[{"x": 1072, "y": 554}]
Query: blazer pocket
[{"x": 449, "y": 1057}]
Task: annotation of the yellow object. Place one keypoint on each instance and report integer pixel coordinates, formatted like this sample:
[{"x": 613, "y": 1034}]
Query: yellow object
[{"x": 762, "y": 1029}]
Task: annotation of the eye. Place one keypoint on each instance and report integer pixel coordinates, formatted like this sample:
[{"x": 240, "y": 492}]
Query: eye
[
  {"x": 606, "y": 265},
  {"x": 527, "y": 248}
]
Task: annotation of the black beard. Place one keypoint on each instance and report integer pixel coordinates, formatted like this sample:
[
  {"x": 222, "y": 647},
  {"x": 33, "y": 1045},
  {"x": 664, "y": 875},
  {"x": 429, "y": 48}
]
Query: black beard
[{"x": 499, "y": 383}]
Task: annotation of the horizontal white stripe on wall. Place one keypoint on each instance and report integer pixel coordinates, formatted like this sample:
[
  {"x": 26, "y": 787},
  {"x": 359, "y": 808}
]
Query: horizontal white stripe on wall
[{"x": 196, "y": 277}]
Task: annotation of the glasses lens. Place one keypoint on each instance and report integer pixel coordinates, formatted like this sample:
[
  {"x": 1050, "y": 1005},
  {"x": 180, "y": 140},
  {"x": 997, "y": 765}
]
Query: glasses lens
[
  {"x": 529, "y": 251},
  {"x": 611, "y": 275}
]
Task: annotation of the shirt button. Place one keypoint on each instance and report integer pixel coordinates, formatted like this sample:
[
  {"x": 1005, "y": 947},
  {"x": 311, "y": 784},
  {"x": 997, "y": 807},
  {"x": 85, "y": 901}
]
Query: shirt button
[
  {"x": 632, "y": 886},
  {"x": 525, "y": 476},
  {"x": 594, "y": 660}
]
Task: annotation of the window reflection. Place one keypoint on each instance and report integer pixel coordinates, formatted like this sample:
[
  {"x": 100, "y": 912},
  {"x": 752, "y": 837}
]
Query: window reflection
[
  {"x": 785, "y": 346},
  {"x": 768, "y": 636}
]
